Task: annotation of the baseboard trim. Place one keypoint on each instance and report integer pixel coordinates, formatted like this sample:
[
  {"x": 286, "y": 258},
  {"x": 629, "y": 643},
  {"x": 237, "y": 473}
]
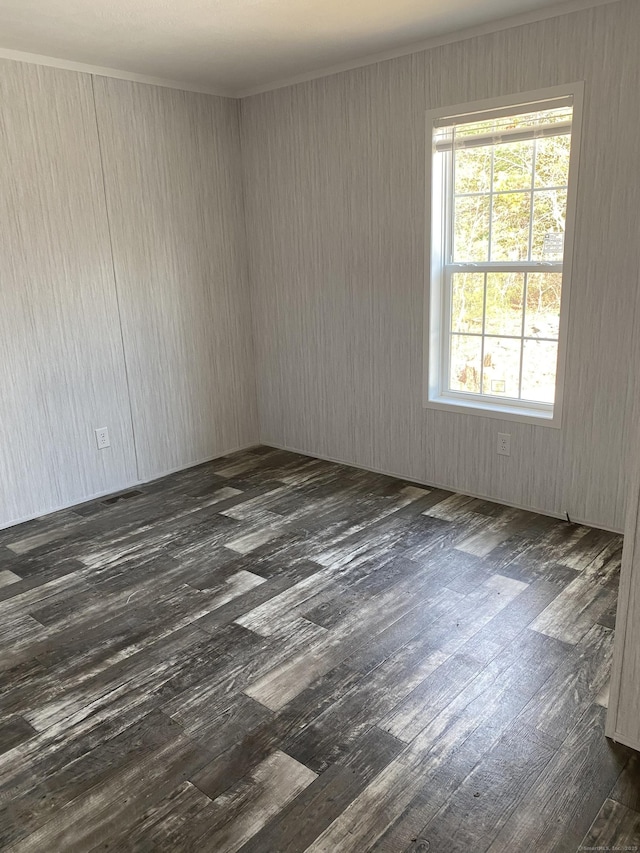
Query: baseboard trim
[
  {"x": 616, "y": 737},
  {"x": 203, "y": 461},
  {"x": 127, "y": 485},
  {"x": 337, "y": 460},
  {"x": 447, "y": 487}
]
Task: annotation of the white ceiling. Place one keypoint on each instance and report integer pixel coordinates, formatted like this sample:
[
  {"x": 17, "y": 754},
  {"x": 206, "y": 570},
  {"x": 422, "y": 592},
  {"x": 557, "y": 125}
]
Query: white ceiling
[{"x": 236, "y": 46}]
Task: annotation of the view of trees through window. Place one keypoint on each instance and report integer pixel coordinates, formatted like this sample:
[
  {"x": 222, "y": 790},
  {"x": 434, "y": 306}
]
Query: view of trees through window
[{"x": 508, "y": 208}]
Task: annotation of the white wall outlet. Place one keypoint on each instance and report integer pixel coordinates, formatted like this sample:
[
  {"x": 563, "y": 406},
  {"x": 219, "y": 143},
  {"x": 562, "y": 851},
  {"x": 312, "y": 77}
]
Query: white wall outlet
[
  {"x": 102, "y": 438},
  {"x": 504, "y": 444}
]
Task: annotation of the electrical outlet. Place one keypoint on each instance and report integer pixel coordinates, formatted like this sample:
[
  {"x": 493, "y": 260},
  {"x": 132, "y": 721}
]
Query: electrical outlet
[
  {"x": 504, "y": 444},
  {"x": 102, "y": 438}
]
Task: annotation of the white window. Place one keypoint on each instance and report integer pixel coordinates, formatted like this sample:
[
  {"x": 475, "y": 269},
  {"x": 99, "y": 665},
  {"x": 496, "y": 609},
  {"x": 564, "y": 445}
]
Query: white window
[{"x": 503, "y": 178}]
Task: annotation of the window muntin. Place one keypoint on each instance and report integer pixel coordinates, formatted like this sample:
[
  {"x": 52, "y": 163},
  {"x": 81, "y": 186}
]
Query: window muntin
[{"x": 501, "y": 182}]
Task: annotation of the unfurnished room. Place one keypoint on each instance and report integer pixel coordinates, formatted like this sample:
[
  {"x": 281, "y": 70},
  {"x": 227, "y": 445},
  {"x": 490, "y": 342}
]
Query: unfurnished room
[{"x": 319, "y": 426}]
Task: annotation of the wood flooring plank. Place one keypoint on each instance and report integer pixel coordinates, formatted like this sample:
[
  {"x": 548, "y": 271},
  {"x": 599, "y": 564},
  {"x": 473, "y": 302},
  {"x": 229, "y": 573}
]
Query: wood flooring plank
[
  {"x": 44, "y": 787},
  {"x": 56, "y": 522},
  {"x": 616, "y": 827},
  {"x": 499, "y": 693},
  {"x": 564, "y": 801},
  {"x": 186, "y": 533},
  {"x": 278, "y": 555},
  {"x": 16, "y": 681},
  {"x": 451, "y": 508},
  {"x": 282, "y": 603},
  {"x": 68, "y": 662},
  {"x": 375, "y": 508},
  {"x": 363, "y": 505},
  {"x": 440, "y": 757},
  {"x": 239, "y": 583},
  {"x": 43, "y": 756},
  {"x": 57, "y": 589},
  {"x": 14, "y": 730},
  {"x": 281, "y": 684},
  {"x": 171, "y": 824},
  {"x": 347, "y": 593},
  {"x": 260, "y": 741},
  {"x": 257, "y": 595},
  {"x": 8, "y": 577},
  {"x": 449, "y": 622},
  {"x": 376, "y": 574},
  {"x": 188, "y": 820},
  {"x": 246, "y": 808},
  {"x": 210, "y": 485},
  {"x": 38, "y": 540},
  {"x": 384, "y": 800},
  {"x": 627, "y": 787},
  {"x": 605, "y": 568},
  {"x": 358, "y": 671},
  {"x": 18, "y": 635},
  {"x": 409, "y": 717},
  {"x": 406, "y": 526},
  {"x": 408, "y": 807},
  {"x": 457, "y": 570},
  {"x": 136, "y": 680},
  {"x": 101, "y": 812},
  {"x": 252, "y": 539},
  {"x": 544, "y": 548},
  {"x": 250, "y": 658},
  {"x": 576, "y": 610},
  {"x": 32, "y": 577},
  {"x": 448, "y": 764},
  {"x": 573, "y": 686},
  {"x": 300, "y": 823},
  {"x": 273, "y": 461},
  {"x": 474, "y": 814},
  {"x": 483, "y": 541},
  {"x": 419, "y": 626},
  {"x": 590, "y": 547},
  {"x": 505, "y": 627},
  {"x": 518, "y": 545},
  {"x": 260, "y": 507},
  {"x": 222, "y": 727},
  {"x": 405, "y": 530},
  {"x": 331, "y": 734}
]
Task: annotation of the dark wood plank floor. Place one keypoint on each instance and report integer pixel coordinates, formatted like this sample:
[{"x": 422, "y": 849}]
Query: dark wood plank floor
[{"x": 275, "y": 653}]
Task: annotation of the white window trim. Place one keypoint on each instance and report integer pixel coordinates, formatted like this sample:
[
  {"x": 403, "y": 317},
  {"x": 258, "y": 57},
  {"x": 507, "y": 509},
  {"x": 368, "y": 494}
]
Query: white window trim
[{"x": 463, "y": 403}]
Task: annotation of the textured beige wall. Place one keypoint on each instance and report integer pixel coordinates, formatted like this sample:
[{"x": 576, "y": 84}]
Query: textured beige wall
[
  {"x": 335, "y": 193},
  {"x": 61, "y": 366},
  {"x": 623, "y": 719},
  {"x": 173, "y": 180},
  {"x": 174, "y": 192}
]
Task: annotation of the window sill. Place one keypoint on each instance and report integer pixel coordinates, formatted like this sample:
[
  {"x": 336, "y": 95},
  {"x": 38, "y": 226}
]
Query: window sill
[{"x": 497, "y": 411}]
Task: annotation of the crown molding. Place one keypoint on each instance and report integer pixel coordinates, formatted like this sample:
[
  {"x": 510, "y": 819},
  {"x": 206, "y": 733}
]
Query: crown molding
[
  {"x": 100, "y": 71},
  {"x": 564, "y": 8}
]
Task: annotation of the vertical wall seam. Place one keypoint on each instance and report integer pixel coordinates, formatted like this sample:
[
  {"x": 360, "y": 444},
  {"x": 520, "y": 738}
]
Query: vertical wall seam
[
  {"x": 115, "y": 280},
  {"x": 248, "y": 264}
]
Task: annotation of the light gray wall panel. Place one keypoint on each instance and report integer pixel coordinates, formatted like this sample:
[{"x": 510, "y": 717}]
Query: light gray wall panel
[
  {"x": 61, "y": 362},
  {"x": 174, "y": 192},
  {"x": 335, "y": 183},
  {"x": 623, "y": 719}
]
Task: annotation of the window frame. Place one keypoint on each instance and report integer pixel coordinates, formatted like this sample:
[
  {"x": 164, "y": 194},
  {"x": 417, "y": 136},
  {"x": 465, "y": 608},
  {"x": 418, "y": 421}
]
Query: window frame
[{"x": 436, "y": 395}]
